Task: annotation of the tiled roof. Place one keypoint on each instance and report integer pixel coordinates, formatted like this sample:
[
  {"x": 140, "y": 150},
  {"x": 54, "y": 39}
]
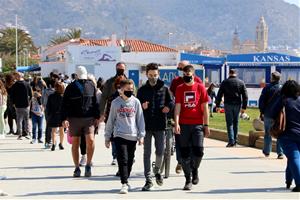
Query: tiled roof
[{"x": 135, "y": 45}]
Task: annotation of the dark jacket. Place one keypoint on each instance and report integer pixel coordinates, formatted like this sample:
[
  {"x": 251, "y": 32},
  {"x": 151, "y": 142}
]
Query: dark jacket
[
  {"x": 107, "y": 92},
  {"x": 292, "y": 128},
  {"x": 234, "y": 91},
  {"x": 108, "y": 104},
  {"x": 158, "y": 97},
  {"x": 212, "y": 95},
  {"x": 268, "y": 99},
  {"x": 21, "y": 94},
  {"x": 80, "y": 100},
  {"x": 53, "y": 110}
]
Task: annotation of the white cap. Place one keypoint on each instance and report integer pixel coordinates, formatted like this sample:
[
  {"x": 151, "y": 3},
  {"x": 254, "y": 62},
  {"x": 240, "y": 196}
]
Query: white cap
[{"x": 81, "y": 72}]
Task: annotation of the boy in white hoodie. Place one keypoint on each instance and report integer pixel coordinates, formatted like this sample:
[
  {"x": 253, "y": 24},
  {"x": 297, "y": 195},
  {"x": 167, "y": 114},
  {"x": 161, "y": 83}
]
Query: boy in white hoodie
[{"x": 126, "y": 122}]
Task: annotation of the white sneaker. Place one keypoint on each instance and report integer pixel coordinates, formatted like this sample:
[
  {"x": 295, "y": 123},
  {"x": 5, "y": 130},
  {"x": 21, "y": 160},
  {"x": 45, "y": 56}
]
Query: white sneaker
[
  {"x": 82, "y": 160},
  {"x": 3, "y": 193},
  {"x": 34, "y": 141},
  {"x": 114, "y": 162},
  {"x": 124, "y": 189}
]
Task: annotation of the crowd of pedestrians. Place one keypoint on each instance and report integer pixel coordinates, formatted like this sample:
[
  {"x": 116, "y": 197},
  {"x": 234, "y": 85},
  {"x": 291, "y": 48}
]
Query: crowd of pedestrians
[{"x": 136, "y": 115}]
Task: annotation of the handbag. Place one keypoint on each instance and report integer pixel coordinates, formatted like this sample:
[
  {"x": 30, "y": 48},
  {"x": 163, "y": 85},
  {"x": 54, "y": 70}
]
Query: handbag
[
  {"x": 278, "y": 125},
  {"x": 69, "y": 137}
]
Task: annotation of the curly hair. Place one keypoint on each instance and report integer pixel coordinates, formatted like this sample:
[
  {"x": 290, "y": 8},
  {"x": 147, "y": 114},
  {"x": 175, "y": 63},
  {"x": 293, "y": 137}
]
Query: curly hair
[
  {"x": 290, "y": 89},
  {"x": 2, "y": 88}
]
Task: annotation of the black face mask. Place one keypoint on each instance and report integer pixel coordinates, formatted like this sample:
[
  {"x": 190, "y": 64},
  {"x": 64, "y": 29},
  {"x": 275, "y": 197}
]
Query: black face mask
[
  {"x": 187, "y": 79},
  {"x": 120, "y": 72},
  {"x": 128, "y": 93}
]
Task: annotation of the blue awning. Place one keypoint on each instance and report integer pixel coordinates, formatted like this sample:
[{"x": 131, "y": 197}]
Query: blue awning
[
  {"x": 28, "y": 68},
  {"x": 266, "y": 58},
  {"x": 202, "y": 60}
]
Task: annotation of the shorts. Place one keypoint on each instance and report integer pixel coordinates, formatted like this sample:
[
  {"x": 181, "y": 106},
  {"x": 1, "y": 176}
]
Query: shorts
[{"x": 81, "y": 126}]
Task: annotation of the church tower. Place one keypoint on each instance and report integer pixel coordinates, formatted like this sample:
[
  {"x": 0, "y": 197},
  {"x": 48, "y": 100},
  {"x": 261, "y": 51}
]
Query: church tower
[
  {"x": 261, "y": 35},
  {"x": 236, "y": 46}
]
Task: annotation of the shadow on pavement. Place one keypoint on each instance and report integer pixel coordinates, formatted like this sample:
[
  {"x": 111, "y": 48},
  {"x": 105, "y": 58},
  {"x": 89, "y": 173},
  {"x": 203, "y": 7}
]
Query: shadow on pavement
[
  {"x": 234, "y": 158},
  {"x": 22, "y": 150},
  {"x": 51, "y": 167},
  {"x": 90, "y": 192},
  {"x": 246, "y": 190},
  {"x": 257, "y": 172}
]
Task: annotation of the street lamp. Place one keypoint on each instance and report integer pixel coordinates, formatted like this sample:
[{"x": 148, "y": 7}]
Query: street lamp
[
  {"x": 169, "y": 39},
  {"x": 16, "y": 41}
]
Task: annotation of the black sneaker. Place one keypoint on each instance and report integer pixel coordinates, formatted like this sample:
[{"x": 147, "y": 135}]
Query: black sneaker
[
  {"x": 188, "y": 185},
  {"x": 159, "y": 179},
  {"x": 77, "y": 172},
  {"x": 296, "y": 189},
  {"x": 288, "y": 185},
  {"x": 40, "y": 141},
  {"x": 195, "y": 177},
  {"x": 147, "y": 186},
  {"x": 88, "y": 171},
  {"x": 19, "y": 137},
  {"x": 61, "y": 147},
  {"x": 280, "y": 156},
  {"x": 118, "y": 173},
  {"x": 53, "y": 147},
  {"x": 231, "y": 145}
]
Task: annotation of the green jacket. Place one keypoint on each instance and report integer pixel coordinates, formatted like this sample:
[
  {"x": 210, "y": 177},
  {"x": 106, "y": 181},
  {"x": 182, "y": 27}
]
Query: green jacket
[{"x": 108, "y": 90}]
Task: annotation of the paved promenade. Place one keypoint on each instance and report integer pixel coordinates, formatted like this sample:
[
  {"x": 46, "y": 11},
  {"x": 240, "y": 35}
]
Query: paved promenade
[{"x": 225, "y": 173}]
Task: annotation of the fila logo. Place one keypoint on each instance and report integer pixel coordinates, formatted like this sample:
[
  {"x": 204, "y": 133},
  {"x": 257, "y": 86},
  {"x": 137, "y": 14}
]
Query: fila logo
[{"x": 189, "y": 97}]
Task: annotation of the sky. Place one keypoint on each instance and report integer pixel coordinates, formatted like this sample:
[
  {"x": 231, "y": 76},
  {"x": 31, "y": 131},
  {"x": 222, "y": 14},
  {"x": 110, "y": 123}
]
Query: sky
[{"x": 296, "y": 2}]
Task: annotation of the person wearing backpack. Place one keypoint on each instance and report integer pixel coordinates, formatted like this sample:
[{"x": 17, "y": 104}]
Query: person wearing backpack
[
  {"x": 268, "y": 99},
  {"x": 80, "y": 113}
]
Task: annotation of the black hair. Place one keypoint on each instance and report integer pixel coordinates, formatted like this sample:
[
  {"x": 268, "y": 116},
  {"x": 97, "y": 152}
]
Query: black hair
[
  {"x": 209, "y": 89},
  {"x": 290, "y": 89},
  {"x": 74, "y": 76},
  {"x": 152, "y": 66},
  {"x": 119, "y": 63},
  {"x": 188, "y": 68},
  {"x": 232, "y": 71}
]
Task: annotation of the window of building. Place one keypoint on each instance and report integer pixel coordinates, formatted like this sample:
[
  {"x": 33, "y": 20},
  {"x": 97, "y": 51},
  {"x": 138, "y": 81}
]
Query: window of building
[
  {"x": 290, "y": 74},
  {"x": 213, "y": 75},
  {"x": 251, "y": 76}
]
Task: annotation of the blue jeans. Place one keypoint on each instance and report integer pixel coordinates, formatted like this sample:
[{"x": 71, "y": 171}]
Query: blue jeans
[
  {"x": 268, "y": 139},
  {"x": 232, "y": 121},
  {"x": 291, "y": 150},
  {"x": 37, "y": 121}
]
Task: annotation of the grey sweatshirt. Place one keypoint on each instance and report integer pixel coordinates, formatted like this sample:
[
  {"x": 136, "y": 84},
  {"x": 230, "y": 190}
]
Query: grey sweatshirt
[{"x": 126, "y": 119}]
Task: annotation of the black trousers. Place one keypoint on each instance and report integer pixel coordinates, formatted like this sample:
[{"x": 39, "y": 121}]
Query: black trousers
[
  {"x": 191, "y": 148},
  {"x": 125, "y": 156}
]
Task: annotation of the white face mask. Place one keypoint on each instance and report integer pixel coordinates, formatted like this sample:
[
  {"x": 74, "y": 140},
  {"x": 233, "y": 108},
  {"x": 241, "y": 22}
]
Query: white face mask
[{"x": 180, "y": 73}]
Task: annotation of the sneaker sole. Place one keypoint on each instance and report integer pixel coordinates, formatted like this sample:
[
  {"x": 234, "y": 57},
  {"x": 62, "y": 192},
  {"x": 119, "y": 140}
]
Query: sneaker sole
[
  {"x": 87, "y": 174},
  {"x": 159, "y": 183}
]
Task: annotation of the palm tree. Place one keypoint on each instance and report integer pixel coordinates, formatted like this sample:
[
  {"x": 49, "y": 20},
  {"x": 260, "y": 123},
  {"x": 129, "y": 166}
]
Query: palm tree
[
  {"x": 8, "y": 41},
  {"x": 58, "y": 40},
  {"x": 74, "y": 33},
  {"x": 71, "y": 34}
]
